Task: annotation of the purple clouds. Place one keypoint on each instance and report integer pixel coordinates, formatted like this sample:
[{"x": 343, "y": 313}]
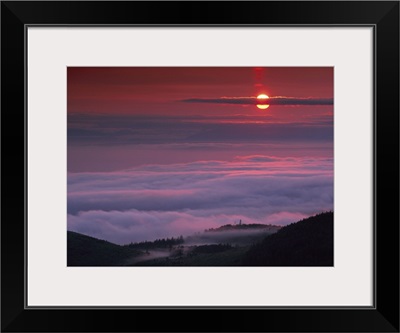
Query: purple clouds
[
  {"x": 164, "y": 200},
  {"x": 237, "y": 128}
]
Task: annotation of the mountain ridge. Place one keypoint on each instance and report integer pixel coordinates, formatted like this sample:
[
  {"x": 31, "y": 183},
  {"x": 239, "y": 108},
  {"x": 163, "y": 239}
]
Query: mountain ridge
[{"x": 308, "y": 242}]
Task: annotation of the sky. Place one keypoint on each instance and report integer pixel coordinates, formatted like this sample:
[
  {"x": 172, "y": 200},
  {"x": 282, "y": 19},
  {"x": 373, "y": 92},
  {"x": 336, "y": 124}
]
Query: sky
[{"x": 157, "y": 152}]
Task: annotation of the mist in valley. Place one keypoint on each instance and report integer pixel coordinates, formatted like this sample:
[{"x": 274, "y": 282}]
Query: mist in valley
[{"x": 201, "y": 244}]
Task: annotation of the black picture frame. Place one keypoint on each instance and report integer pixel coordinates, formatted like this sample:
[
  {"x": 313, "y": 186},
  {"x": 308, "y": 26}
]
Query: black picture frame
[{"x": 383, "y": 16}]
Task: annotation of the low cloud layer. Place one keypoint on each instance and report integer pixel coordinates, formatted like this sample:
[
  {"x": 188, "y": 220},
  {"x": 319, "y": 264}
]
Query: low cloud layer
[
  {"x": 103, "y": 130},
  {"x": 277, "y": 100},
  {"x": 154, "y": 201}
]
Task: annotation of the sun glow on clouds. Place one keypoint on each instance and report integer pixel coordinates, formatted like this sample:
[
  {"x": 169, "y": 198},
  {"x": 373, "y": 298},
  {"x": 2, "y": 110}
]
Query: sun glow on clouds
[{"x": 262, "y": 98}]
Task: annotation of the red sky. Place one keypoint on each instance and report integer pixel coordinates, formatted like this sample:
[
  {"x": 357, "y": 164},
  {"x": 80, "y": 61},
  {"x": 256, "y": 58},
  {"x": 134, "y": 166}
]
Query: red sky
[{"x": 159, "y": 90}]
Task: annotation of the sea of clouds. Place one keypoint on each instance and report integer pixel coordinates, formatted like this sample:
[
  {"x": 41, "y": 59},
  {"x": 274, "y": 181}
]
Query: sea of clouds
[{"x": 155, "y": 201}]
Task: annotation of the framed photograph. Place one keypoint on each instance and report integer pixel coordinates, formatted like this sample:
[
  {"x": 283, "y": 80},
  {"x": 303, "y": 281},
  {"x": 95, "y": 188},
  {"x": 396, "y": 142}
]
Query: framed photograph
[{"x": 235, "y": 160}]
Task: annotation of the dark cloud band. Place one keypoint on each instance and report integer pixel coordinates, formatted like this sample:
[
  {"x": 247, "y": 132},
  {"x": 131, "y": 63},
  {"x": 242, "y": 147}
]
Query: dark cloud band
[{"x": 269, "y": 101}]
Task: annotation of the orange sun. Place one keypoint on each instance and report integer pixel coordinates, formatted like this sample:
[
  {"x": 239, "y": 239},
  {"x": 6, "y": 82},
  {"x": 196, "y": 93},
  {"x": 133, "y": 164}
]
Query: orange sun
[{"x": 262, "y": 98}]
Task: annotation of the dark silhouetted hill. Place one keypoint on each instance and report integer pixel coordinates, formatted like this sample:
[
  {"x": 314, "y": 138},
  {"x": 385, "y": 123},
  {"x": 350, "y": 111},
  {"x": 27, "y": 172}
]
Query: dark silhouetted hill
[
  {"x": 308, "y": 242},
  {"x": 88, "y": 251}
]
